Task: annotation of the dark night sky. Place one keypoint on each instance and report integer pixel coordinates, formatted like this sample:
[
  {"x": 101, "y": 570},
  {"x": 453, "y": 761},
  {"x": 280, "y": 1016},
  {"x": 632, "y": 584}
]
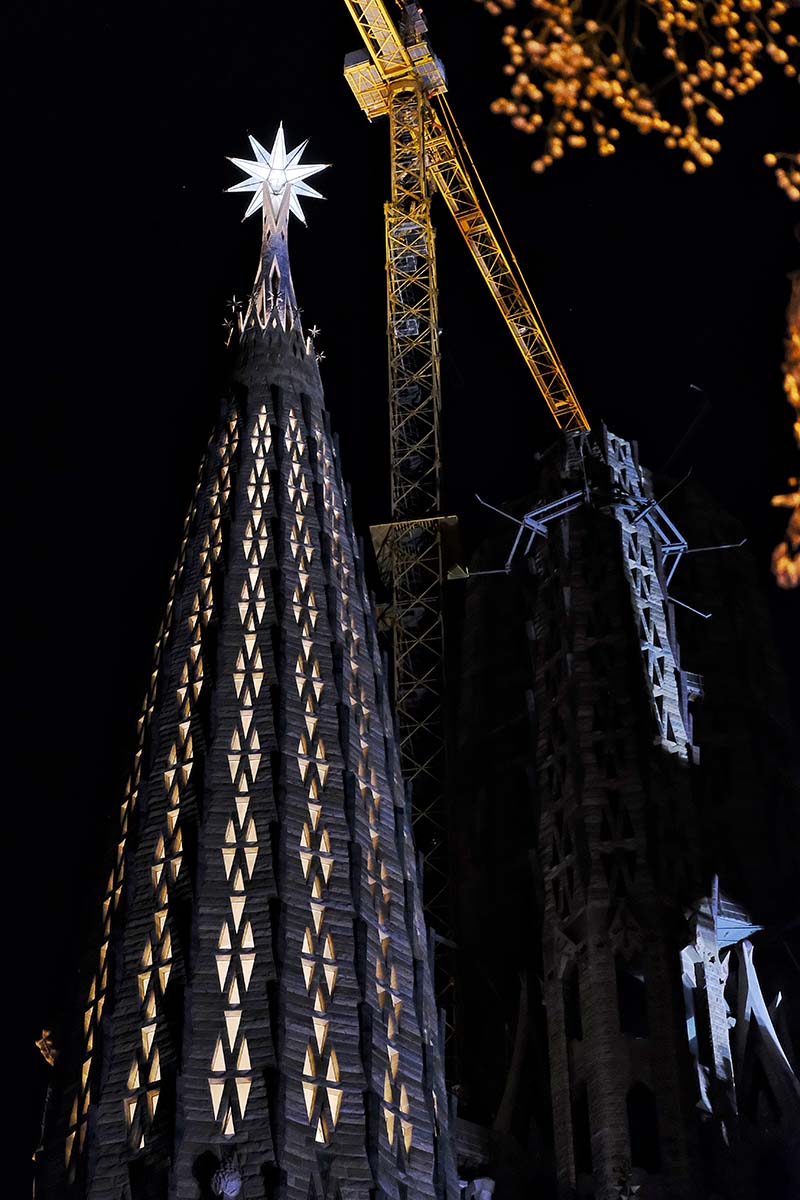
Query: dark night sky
[{"x": 122, "y": 249}]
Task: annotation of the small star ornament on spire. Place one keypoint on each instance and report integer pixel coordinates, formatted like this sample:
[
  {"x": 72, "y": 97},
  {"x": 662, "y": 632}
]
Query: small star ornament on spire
[{"x": 277, "y": 178}]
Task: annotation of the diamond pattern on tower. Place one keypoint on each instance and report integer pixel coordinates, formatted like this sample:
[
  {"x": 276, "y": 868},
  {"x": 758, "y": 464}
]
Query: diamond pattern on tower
[
  {"x": 396, "y": 1105},
  {"x": 230, "y": 1081},
  {"x": 271, "y": 963},
  {"x": 156, "y": 958},
  {"x": 321, "y": 1082},
  {"x": 76, "y": 1127}
]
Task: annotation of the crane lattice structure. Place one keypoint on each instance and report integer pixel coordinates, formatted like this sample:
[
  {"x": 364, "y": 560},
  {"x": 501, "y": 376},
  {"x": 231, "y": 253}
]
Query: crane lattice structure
[{"x": 399, "y": 75}]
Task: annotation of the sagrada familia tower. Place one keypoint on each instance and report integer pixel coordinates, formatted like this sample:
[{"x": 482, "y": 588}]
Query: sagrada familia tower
[
  {"x": 261, "y": 1014},
  {"x": 261, "y": 1019}
]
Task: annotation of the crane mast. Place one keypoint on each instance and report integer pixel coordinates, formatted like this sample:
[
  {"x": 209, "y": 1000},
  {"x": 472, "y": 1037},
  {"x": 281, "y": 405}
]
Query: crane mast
[
  {"x": 414, "y": 540},
  {"x": 397, "y": 75}
]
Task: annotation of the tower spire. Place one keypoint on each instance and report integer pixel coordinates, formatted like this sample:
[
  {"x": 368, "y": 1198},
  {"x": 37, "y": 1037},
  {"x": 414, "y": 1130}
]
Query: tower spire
[
  {"x": 261, "y": 1013},
  {"x": 277, "y": 179}
]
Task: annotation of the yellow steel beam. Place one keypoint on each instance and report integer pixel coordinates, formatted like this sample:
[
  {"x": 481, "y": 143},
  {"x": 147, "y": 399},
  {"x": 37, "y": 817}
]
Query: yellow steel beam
[
  {"x": 414, "y": 545},
  {"x": 504, "y": 280},
  {"x": 396, "y": 76},
  {"x": 413, "y": 334},
  {"x": 367, "y": 84},
  {"x": 381, "y": 38},
  {"x": 395, "y": 65},
  {"x": 392, "y": 57}
]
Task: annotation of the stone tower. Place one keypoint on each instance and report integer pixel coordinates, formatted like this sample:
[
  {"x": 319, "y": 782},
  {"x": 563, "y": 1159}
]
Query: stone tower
[
  {"x": 260, "y": 1021},
  {"x": 591, "y": 860},
  {"x": 620, "y": 1032},
  {"x": 615, "y": 834}
]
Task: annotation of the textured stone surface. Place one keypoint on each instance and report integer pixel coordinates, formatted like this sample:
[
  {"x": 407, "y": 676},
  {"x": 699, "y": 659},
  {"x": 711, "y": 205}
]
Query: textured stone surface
[{"x": 269, "y": 1006}]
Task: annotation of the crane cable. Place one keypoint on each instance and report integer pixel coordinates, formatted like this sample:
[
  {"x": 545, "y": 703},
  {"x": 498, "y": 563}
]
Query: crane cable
[{"x": 462, "y": 151}]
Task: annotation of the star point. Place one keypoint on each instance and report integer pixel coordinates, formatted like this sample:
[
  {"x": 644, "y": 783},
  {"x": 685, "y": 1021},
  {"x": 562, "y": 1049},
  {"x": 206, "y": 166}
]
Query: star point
[{"x": 277, "y": 179}]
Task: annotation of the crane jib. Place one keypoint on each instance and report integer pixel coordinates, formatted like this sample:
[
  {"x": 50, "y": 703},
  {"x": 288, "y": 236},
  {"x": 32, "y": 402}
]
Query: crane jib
[{"x": 394, "y": 63}]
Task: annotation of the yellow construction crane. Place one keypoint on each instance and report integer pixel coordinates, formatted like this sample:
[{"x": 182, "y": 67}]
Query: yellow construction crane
[{"x": 398, "y": 75}]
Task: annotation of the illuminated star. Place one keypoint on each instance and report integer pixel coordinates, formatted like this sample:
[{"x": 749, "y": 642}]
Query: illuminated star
[
  {"x": 274, "y": 173},
  {"x": 314, "y": 331}
]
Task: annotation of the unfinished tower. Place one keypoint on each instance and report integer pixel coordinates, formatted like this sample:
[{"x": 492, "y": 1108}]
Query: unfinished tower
[
  {"x": 261, "y": 1020},
  {"x": 593, "y": 835},
  {"x": 613, "y": 751},
  {"x": 619, "y": 1029}
]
